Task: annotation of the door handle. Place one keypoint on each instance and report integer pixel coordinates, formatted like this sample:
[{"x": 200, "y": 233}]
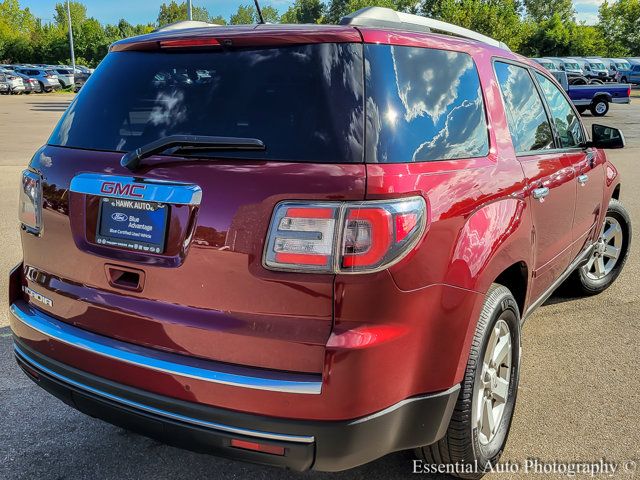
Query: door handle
[
  {"x": 541, "y": 192},
  {"x": 582, "y": 179}
]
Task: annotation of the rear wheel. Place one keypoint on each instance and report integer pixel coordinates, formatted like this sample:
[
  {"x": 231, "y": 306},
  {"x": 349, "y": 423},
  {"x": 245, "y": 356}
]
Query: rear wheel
[
  {"x": 623, "y": 80},
  {"x": 599, "y": 107},
  {"x": 482, "y": 417},
  {"x": 609, "y": 254},
  {"x": 581, "y": 109},
  {"x": 596, "y": 81}
]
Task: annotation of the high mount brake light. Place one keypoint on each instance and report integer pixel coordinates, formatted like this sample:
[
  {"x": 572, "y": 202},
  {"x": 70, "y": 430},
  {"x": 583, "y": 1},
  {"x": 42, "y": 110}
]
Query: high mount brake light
[
  {"x": 343, "y": 237},
  {"x": 190, "y": 42}
]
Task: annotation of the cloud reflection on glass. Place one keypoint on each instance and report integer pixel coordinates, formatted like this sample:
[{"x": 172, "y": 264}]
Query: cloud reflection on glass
[{"x": 430, "y": 109}]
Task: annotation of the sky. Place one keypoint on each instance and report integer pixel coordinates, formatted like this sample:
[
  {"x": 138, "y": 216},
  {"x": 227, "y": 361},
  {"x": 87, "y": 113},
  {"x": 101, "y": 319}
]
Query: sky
[{"x": 145, "y": 11}]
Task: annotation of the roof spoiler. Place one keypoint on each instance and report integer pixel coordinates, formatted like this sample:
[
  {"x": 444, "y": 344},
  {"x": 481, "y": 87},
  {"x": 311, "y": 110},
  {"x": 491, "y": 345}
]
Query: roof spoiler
[{"x": 388, "y": 18}]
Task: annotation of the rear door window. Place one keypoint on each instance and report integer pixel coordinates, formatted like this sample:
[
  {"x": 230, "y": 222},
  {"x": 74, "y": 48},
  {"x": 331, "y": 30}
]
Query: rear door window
[
  {"x": 528, "y": 123},
  {"x": 422, "y": 105},
  {"x": 305, "y": 102}
]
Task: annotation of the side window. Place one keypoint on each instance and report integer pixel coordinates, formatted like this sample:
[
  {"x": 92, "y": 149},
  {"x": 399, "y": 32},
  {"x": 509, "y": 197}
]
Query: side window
[
  {"x": 423, "y": 105},
  {"x": 528, "y": 123},
  {"x": 566, "y": 121}
]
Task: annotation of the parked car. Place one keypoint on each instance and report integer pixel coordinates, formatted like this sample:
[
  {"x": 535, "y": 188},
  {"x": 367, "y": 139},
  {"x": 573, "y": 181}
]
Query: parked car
[
  {"x": 65, "y": 76},
  {"x": 30, "y": 84},
  {"x": 570, "y": 65},
  {"x": 80, "y": 78},
  {"x": 258, "y": 267},
  {"x": 46, "y": 77},
  {"x": 4, "y": 85},
  {"x": 634, "y": 73},
  {"x": 15, "y": 83},
  {"x": 548, "y": 63},
  {"x": 618, "y": 69},
  {"x": 575, "y": 76},
  {"x": 594, "y": 69}
]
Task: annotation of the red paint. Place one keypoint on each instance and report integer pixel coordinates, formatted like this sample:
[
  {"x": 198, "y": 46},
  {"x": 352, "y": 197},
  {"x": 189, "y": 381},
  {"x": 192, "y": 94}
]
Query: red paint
[{"x": 375, "y": 338}]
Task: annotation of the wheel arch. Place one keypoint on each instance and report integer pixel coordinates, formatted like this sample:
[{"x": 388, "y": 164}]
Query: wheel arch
[
  {"x": 516, "y": 279},
  {"x": 616, "y": 192}
]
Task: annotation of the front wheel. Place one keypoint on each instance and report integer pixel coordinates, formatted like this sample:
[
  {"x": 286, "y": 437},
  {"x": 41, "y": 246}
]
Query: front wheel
[
  {"x": 623, "y": 80},
  {"x": 609, "y": 253},
  {"x": 482, "y": 417},
  {"x": 599, "y": 107}
]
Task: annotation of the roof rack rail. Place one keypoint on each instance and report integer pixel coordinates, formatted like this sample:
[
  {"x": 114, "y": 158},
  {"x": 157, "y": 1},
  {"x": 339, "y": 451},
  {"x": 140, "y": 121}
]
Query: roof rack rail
[
  {"x": 388, "y": 18},
  {"x": 185, "y": 24}
]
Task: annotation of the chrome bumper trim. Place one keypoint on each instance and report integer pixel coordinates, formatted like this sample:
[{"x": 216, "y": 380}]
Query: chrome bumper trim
[
  {"x": 169, "y": 363},
  {"x": 156, "y": 411}
]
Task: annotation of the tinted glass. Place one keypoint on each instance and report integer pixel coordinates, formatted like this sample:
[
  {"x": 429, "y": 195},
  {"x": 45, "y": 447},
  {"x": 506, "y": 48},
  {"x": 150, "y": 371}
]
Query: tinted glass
[
  {"x": 528, "y": 123},
  {"x": 566, "y": 121},
  {"x": 304, "y": 102},
  {"x": 422, "y": 105}
]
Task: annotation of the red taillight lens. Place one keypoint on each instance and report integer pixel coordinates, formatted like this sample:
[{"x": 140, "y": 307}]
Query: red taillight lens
[
  {"x": 347, "y": 237},
  {"x": 190, "y": 42}
]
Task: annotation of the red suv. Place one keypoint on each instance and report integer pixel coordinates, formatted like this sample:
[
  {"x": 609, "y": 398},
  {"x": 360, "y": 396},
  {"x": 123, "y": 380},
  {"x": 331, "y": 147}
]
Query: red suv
[{"x": 309, "y": 246}]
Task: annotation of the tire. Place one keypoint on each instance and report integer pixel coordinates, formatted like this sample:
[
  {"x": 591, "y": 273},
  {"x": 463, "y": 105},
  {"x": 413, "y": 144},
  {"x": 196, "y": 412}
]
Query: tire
[
  {"x": 464, "y": 443},
  {"x": 587, "y": 280},
  {"x": 596, "y": 81},
  {"x": 623, "y": 80},
  {"x": 599, "y": 107},
  {"x": 578, "y": 81},
  {"x": 581, "y": 109}
]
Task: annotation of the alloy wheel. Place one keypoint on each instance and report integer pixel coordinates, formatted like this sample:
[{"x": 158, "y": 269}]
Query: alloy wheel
[
  {"x": 606, "y": 251},
  {"x": 492, "y": 387}
]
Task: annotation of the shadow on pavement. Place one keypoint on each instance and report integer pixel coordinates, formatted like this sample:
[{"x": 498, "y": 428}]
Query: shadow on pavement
[{"x": 49, "y": 106}]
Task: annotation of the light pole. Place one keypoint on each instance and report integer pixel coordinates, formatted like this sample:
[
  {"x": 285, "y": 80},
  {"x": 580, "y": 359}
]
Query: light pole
[
  {"x": 189, "y": 10},
  {"x": 73, "y": 55}
]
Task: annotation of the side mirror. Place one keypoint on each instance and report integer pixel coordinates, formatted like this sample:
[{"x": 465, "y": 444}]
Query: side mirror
[{"x": 606, "y": 137}]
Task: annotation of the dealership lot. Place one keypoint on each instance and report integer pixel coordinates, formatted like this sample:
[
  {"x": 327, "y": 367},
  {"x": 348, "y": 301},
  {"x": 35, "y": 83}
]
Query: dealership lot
[{"x": 578, "y": 394}]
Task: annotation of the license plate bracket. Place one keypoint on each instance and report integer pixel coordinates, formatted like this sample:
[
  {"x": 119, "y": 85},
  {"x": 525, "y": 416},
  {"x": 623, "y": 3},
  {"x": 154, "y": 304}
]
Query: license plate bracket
[{"x": 136, "y": 225}]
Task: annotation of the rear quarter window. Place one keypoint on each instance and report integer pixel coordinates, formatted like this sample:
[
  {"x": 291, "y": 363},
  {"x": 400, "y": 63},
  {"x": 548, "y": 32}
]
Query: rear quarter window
[{"x": 422, "y": 105}]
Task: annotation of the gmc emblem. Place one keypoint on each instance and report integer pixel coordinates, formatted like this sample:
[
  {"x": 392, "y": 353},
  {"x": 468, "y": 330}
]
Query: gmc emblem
[{"x": 122, "y": 189}]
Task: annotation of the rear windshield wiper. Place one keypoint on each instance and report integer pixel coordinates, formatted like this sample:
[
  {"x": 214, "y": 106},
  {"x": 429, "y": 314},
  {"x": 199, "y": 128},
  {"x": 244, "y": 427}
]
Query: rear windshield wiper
[{"x": 186, "y": 143}]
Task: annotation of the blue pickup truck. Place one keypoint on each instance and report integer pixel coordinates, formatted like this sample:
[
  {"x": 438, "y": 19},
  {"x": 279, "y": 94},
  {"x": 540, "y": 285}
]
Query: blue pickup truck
[{"x": 595, "y": 98}]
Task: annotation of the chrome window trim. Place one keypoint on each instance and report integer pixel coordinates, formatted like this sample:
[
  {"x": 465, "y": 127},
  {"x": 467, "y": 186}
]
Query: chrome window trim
[
  {"x": 160, "y": 191},
  {"x": 132, "y": 354},
  {"x": 160, "y": 412}
]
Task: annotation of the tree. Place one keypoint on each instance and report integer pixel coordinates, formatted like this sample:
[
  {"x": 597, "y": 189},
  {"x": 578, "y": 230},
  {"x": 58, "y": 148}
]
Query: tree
[
  {"x": 540, "y": 10},
  {"x": 176, "y": 12},
  {"x": 218, "y": 20},
  {"x": 270, "y": 14},
  {"x": 78, "y": 13},
  {"x": 620, "y": 23},
  {"x": 304, "y": 11},
  {"x": 245, "y": 15},
  {"x": 499, "y": 19}
]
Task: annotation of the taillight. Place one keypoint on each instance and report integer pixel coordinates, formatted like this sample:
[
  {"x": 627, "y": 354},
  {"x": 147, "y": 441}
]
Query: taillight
[
  {"x": 30, "y": 202},
  {"x": 345, "y": 237}
]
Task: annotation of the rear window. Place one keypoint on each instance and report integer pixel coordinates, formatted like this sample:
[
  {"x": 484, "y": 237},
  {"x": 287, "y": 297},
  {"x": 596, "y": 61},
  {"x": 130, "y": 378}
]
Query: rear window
[
  {"x": 422, "y": 105},
  {"x": 304, "y": 102}
]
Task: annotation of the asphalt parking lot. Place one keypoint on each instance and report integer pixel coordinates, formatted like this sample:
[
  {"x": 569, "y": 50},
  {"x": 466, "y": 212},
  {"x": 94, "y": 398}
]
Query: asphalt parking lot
[{"x": 579, "y": 391}]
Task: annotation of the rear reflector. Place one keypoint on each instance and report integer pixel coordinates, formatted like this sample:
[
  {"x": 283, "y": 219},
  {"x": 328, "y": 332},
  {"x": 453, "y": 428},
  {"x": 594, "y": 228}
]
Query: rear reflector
[
  {"x": 190, "y": 42},
  {"x": 345, "y": 237},
  {"x": 257, "y": 447}
]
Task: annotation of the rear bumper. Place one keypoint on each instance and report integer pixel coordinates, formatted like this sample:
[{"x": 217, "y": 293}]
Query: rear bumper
[{"x": 325, "y": 446}]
